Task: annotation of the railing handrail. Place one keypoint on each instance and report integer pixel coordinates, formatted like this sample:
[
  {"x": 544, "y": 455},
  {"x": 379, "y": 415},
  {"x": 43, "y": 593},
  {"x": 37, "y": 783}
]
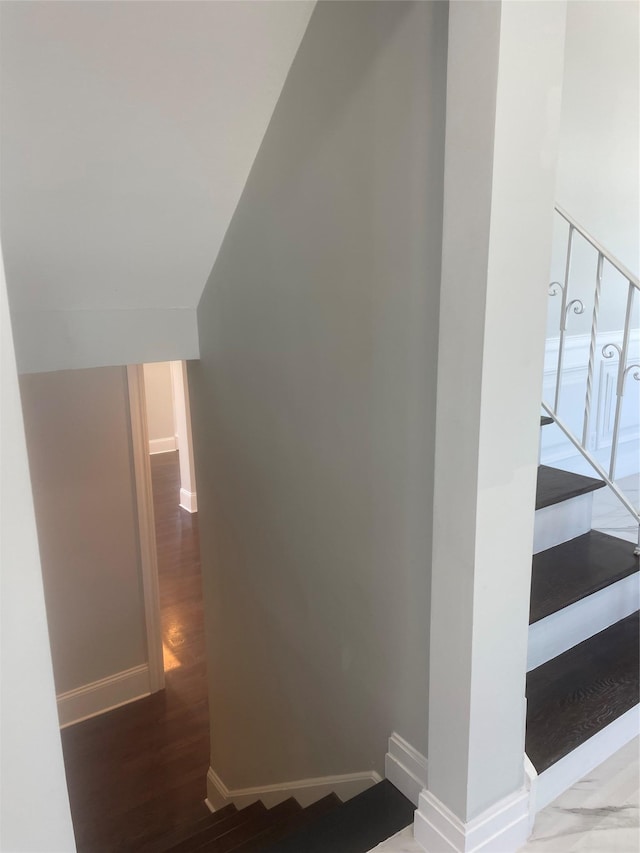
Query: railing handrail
[{"x": 631, "y": 278}]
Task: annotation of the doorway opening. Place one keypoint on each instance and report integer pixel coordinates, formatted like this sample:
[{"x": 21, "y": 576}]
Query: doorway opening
[{"x": 137, "y": 774}]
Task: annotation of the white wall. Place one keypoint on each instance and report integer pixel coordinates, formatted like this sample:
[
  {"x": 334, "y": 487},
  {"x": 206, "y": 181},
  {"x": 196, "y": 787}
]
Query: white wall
[
  {"x": 313, "y": 407},
  {"x": 598, "y": 182},
  {"x": 598, "y": 178},
  {"x": 79, "y": 443},
  {"x": 158, "y": 392},
  {"x": 128, "y": 131},
  {"x": 34, "y": 805}
]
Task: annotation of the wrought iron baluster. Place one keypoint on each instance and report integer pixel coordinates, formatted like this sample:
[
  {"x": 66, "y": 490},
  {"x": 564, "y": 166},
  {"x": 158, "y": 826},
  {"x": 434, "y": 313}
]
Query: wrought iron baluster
[
  {"x": 592, "y": 352},
  {"x": 622, "y": 374},
  {"x": 563, "y": 315}
]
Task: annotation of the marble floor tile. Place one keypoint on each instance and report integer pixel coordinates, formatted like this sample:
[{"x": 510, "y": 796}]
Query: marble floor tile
[
  {"x": 401, "y": 842},
  {"x": 599, "y": 814}
]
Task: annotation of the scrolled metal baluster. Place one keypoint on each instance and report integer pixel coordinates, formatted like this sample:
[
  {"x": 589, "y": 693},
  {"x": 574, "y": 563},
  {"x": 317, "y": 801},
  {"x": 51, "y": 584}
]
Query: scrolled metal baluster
[
  {"x": 606, "y": 350},
  {"x": 622, "y": 375},
  {"x": 564, "y": 288},
  {"x": 578, "y": 308},
  {"x": 592, "y": 353}
]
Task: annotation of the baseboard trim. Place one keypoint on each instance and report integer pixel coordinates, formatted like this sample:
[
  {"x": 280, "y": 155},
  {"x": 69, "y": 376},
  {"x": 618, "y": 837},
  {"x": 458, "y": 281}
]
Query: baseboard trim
[
  {"x": 188, "y": 500},
  {"x": 80, "y": 704},
  {"x": 162, "y": 445},
  {"x": 406, "y": 768},
  {"x": 305, "y": 791},
  {"x": 573, "y": 767},
  {"x": 503, "y": 828}
]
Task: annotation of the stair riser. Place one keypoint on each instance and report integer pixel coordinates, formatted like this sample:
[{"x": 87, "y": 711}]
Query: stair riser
[
  {"x": 561, "y": 522},
  {"x": 573, "y": 767},
  {"x": 560, "y": 631}
]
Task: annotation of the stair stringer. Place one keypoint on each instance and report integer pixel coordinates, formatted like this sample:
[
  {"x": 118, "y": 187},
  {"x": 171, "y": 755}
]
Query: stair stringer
[{"x": 305, "y": 791}]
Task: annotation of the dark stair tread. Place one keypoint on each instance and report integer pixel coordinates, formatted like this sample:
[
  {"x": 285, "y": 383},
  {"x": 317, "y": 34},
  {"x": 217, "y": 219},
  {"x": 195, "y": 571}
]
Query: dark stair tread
[
  {"x": 555, "y": 486},
  {"x": 573, "y": 570},
  {"x": 577, "y": 694},
  {"x": 188, "y": 830},
  {"x": 545, "y": 420},
  {"x": 355, "y": 827},
  {"x": 255, "y": 828},
  {"x": 303, "y": 818},
  {"x": 216, "y": 829},
  {"x": 322, "y": 806}
]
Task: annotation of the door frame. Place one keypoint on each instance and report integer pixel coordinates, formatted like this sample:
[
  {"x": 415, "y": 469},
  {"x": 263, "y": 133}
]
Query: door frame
[{"x": 146, "y": 525}]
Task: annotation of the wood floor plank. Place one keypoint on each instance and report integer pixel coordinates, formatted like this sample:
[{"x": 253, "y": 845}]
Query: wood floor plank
[{"x": 138, "y": 773}]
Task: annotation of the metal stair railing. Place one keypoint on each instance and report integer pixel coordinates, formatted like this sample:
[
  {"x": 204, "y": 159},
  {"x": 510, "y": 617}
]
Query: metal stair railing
[{"x": 609, "y": 350}]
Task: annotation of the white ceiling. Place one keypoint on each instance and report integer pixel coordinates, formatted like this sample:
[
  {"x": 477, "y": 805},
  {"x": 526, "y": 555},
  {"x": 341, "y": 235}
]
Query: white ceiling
[{"x": 128, "y": 132}]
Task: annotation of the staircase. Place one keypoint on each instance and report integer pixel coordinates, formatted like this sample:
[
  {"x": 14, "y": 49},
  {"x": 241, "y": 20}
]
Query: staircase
[
  {"x": 326, "y": 826},
  {"x": 582, "y": 682}
]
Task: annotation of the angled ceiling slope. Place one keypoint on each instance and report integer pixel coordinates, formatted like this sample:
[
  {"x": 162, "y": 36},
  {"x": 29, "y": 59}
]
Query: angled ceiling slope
[{"x": 128, "y": 132}]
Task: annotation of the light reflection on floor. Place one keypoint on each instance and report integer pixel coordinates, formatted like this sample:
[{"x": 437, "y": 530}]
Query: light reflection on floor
[{"x": 170, "y": 660}]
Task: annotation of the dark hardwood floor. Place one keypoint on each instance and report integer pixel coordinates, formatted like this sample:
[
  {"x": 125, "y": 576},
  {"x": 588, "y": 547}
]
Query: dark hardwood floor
[{"x": 137, "y": 773}]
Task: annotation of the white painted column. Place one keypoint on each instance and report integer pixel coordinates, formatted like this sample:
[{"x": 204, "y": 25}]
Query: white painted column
[
  {"x": 34, "y": 804},
  {"x": 182, "y": 414},
  {"x": 505, "y": 65}
]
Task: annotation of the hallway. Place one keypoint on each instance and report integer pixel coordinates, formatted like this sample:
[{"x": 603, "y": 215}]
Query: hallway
[{"x": 137, "y": 772}]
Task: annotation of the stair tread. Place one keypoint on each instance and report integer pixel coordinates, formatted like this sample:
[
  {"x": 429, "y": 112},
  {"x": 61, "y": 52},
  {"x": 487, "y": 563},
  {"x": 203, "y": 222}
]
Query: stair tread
[
  {"x": 555, "y": 486},
  {"x": 286, "y": 826},
  {"x": 255, "y": 828},
  {"x": 216, "y": 829},
  {"x": 187, "y": 830},
  {"x": 577, "y": 694},
  {"x": 545, "y": 420},
  {"x": 575, "y": 569},
  {"x": 354, "y": 827}
]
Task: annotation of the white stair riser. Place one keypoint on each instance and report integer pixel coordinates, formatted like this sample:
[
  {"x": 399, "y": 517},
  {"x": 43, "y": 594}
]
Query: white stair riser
[
  {"x": 561, "y": 631},
  {"x": 561, "y": 522}
]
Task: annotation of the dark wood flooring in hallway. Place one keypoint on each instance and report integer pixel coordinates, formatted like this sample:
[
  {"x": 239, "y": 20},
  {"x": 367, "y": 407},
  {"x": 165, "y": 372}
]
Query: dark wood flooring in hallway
[{"x": 138, "y": 772}]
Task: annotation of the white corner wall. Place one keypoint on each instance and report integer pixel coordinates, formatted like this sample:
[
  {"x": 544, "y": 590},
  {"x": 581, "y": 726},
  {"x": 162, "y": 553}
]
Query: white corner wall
[
  {"x": 79, "y": 442},
  {"x": 128, "y": 131},
  {"x": 598, "y": 177},
  {"x": 313, "y": 408},
  {"x": 34, "y": 805}
]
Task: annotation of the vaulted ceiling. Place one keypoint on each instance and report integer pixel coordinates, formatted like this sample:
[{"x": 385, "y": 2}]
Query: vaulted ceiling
[{"x": 128, "y": 132}]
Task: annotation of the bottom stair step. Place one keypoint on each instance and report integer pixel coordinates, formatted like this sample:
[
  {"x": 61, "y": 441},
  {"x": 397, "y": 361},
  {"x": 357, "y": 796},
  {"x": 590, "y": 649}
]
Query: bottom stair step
[
  {"x": 218, "y": 828},
  {"x": 354, "y": 827},
  {"x": 182, "y": 833},
  {"x": 302, "y": 818},
  {"x": 577, "y": 694}
]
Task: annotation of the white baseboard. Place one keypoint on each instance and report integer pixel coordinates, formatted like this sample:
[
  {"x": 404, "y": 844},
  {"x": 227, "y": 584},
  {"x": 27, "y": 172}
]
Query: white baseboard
[
  {"x": 162, "y": 445},
  {"x": 305, "y": 791},
  {"x": 103, "y": 695},
  {"x": 570, "y": 769},
  {"x": 503, "y": 828},
  {"x": 406, "y": 768},
  {"x": 188, "y": 500},
  {"x": 555, "y": 634}
]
